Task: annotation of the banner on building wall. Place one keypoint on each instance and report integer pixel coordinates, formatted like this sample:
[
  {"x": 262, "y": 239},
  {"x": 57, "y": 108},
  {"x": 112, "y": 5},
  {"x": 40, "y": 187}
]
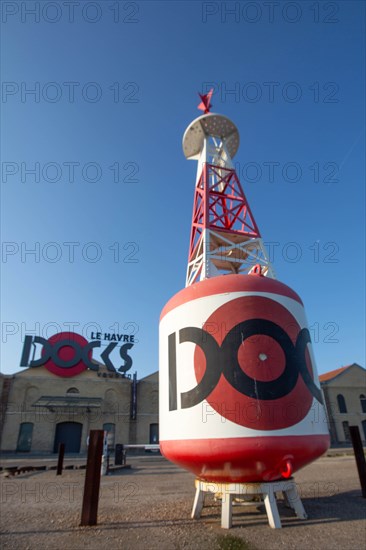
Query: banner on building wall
[{"x": 68, "y": 354}]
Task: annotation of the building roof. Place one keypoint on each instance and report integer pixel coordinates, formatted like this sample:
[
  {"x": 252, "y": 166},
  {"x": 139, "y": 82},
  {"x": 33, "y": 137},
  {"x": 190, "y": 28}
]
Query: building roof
[
  {"x": 154, "y": 377},
  {"x": 333, "y": 373}
]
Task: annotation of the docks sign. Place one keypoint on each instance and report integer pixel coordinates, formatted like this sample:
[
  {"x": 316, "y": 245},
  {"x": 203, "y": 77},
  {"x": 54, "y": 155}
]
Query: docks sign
[{"x": 68, "y": 354}]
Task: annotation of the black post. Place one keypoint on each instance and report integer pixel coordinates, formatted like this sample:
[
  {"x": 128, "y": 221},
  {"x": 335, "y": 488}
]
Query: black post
[
  {"x": 60, "y": 462},
  {"x": 118, "y": 455},
  {"x": 359, "y": 456},
  {"x": 92, "y": 478}
]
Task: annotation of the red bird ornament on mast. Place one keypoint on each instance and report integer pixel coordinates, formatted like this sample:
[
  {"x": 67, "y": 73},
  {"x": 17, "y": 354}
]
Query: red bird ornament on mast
[{"x": 205, "y": 104}]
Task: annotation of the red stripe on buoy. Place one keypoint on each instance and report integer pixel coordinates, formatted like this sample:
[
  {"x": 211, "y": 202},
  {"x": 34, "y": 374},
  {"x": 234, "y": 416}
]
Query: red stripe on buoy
[
  {"x": 225, "y": 284},
  {"x": 248, "y": 459}
]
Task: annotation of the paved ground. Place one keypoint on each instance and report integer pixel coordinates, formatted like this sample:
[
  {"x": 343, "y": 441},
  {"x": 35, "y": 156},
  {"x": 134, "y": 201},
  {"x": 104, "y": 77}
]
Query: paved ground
[{"x": 149, "y": 506}]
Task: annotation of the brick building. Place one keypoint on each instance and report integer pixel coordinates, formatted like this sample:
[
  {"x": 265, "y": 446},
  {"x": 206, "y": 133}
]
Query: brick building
[
  {"x": 40, "y": 410},
  {"x": 344, "y": 391}
]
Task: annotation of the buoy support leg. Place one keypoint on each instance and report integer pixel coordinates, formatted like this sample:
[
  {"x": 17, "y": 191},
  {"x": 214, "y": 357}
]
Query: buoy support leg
[
  {"x": 294, "y": 501},
  {"x": 199, "y": 499},
  {"x": 270, "y": 503},
  {"x": 226, "y": 510},
  {"x": 266, "y": 490}
]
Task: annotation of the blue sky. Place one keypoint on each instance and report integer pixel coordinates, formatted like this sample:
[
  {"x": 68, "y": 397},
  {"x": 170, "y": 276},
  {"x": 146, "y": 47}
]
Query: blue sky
[{"x": 115, "y": 86}]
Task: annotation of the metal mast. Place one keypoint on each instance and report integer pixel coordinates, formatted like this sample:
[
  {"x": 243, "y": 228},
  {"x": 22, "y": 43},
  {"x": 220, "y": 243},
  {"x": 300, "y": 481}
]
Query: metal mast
[{"x": 224, "y": 235}]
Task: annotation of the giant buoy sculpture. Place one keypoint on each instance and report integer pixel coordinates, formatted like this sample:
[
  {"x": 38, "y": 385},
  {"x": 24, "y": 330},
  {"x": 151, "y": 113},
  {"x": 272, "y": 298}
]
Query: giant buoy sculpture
[{"x": 240, "y": 400}]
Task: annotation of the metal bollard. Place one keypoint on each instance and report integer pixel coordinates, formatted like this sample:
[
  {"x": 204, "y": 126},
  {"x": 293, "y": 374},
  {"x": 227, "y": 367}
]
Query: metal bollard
[{"x": 92, "y": 479}]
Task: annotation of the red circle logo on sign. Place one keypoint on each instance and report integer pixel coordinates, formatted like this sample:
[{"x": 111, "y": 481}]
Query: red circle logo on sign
[
  {"x": 262, "y": 358},
  {"x": 66, "y": 358}
]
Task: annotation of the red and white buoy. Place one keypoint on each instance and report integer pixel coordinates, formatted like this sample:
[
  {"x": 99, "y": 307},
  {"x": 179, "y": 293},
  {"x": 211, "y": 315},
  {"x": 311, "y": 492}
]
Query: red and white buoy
[{"x": 240, "y": 399}]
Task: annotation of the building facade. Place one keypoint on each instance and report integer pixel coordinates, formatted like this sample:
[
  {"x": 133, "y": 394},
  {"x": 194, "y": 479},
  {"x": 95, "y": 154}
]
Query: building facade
[
  {"x": 344, "y": 391},
  {"x": 40, "y": 410}
]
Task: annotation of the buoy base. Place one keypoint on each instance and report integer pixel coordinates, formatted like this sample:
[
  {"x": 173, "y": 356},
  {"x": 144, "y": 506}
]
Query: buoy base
[
  {"x": 267, "y": 492},
  {"x": 245, "y": 459}
]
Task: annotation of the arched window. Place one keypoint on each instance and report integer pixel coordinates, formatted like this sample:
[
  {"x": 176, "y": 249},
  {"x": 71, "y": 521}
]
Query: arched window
[
  {"x": 341, "y": 403},
  {"x": 72, "y": 390},
  {"x": 25, "y": 437},
  {"x": 154, "y": 433},
  {"x": 363, "y": 402}
]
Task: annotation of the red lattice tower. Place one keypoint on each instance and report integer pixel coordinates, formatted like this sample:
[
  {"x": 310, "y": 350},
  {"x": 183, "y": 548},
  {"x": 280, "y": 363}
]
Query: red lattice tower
[{"x": 224, "y": 235}]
